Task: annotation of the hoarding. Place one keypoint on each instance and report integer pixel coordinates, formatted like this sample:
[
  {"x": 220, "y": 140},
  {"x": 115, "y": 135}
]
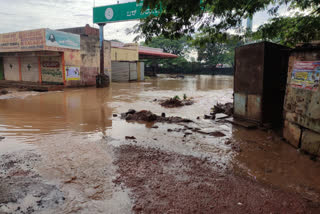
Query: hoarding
[
  {"x": 22, "y": 41},
  {"x": 306, "y": 75},
  {"x": 122, "y": 12},
  {"x": 62, "y": 39}
]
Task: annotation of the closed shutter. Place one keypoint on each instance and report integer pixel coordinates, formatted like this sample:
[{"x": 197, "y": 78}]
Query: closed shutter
[
  {"x": 30, "y": 69},
  {"x": 11, "y": 68},
  {"x": 120, "y": 71}
]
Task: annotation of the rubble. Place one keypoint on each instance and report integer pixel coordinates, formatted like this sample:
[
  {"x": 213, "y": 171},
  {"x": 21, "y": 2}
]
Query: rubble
[
  {"x": 131, "y": 138},
  {"x": 176, "y": 102},
  {"x": 3, "y": 92},
  {"x": 220, "y": 111},
  {"x": 148, "y": 116},
  {"x": 226, "y": 108}
]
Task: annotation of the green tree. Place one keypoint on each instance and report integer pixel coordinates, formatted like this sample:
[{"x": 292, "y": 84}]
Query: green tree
[
  {"x": 178, "y": 47},
  {"x": 213, "y": 52},
  {"x": 214, "y": 17},
  {"x": 290, "y": 30}
]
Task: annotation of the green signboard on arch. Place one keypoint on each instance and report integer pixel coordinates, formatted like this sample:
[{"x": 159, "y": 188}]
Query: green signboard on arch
[{"x": 122, "y": 12}]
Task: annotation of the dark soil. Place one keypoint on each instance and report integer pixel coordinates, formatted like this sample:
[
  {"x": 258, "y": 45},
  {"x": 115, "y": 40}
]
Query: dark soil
[
  {"x": 165, "y": 182},
  {"x": 173, "y": 103},
  {"x": 148, "y": 116}
]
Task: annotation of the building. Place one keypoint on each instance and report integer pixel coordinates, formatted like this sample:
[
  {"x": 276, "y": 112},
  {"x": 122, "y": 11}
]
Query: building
[{"x": 52, "y": 57}]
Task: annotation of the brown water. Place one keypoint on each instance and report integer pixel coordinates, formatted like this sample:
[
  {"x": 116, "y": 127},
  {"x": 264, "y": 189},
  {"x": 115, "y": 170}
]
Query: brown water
[{"x": 71, "y": 129}]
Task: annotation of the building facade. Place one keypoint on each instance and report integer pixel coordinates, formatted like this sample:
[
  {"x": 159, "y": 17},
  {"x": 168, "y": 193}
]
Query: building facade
[{"x": 52, "y": 57}]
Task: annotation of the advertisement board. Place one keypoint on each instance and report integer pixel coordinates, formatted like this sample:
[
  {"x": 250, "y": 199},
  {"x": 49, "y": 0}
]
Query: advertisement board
[
  {"x": 62, "y": 39},
  {"x": 22, "y": 41}
]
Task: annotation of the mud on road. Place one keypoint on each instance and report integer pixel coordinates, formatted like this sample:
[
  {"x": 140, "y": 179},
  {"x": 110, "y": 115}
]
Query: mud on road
[
  {"x": 22, "y": 189},
  {"x": 83, "y": 158},
  {"x": 167, "y": 182}
]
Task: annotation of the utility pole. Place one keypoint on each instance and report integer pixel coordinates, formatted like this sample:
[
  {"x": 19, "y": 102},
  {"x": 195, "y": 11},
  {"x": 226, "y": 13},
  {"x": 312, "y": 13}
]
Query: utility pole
[{"x": 102, "y": 80}]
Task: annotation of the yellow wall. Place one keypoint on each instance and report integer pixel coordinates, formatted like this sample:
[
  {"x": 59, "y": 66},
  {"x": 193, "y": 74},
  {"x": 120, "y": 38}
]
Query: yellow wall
[{"x": 125, "y": 54}]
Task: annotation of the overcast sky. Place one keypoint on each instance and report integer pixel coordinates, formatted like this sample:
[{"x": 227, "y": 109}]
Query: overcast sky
[{"x": 18, "y": 15}]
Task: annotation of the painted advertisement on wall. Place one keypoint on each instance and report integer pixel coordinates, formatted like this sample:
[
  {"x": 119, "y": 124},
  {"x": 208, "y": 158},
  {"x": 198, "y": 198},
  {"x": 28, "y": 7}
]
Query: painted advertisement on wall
[
  {"x": 62, "y": 39},
  {"x": 306, "y": 75},
  {"x": 22, "y": 41},
  {"x": 72, "y": 73},
  {"x": 51, "y": 69}
]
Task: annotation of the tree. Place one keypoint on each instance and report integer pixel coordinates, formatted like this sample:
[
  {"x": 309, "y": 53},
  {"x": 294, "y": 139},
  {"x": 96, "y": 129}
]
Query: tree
[
  {"x": 290, "y": 30},
  {"x": 178, "y": 47},
  {"x": 214, "y": 17},
  {"x": 213, "y": 52}
]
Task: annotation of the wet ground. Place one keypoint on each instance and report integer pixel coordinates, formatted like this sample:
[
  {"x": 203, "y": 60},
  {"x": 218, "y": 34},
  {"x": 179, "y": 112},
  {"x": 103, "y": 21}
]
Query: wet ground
[{"x": 67, "y": 152}]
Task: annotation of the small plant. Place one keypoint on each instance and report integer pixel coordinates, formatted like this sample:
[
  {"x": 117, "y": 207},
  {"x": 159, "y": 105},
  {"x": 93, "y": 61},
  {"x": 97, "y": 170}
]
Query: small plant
[
  {"x": 176, "y": 97},
  {"x": 184, "y": 96}
]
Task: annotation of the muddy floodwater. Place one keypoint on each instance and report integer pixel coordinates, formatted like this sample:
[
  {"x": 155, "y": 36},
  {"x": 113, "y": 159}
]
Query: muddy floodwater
[{"x": 70, "y": 152}]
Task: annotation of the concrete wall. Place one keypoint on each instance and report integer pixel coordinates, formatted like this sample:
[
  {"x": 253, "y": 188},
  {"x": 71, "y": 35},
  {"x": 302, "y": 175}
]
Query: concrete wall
[
  {"x": 129, "y": 53},
  {"x": 302, "y": 107},
  {"x": 140, "y": 71},
  {"x": 88, "y": 61}
]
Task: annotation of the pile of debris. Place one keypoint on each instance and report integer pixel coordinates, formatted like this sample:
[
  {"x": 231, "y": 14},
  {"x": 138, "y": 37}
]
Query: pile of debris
[
  {"x": 176, "y": 102},
  {"x": 3, "y": 91},
  {"x": 226, "y": 110},
  {"x": 148, "y": 116}
]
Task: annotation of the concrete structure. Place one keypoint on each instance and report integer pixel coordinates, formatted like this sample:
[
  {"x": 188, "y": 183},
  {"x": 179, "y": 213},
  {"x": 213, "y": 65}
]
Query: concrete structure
[
  {"x": 302, "y": 102},
  {"x": 260, "y": 82},
  {"x": 52, "y": 57},
  {"x": 125, "y": 59}
]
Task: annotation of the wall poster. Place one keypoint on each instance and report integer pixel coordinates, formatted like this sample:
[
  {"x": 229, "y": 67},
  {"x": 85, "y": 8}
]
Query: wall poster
[
  {"x": 306, "y": 75},
  {"x": 72, "y": 73}
]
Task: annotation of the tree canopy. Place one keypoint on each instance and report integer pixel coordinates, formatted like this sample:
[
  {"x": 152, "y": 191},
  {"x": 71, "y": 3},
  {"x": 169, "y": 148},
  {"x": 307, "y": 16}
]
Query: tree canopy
[
  {"x": 214, "y": 18},
  {"x": 178, "y": 47}
]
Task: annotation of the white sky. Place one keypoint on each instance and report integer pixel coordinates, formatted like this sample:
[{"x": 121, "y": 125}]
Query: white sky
[{"x": 18, "y": 15}]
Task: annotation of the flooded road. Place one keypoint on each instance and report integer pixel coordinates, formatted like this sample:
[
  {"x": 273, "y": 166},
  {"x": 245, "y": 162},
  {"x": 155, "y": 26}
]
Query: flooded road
[{"x": 84, "y": 156}]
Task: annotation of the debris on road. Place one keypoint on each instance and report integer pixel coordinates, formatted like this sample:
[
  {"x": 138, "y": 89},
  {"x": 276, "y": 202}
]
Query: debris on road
[
  {"x": 3, "y": 92},
  {"x": 148, "y": 116},
  {"x": 130, "y": 138},
  {"x": 226, "y": 108},
  {"x": 176, "y": 102}
]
